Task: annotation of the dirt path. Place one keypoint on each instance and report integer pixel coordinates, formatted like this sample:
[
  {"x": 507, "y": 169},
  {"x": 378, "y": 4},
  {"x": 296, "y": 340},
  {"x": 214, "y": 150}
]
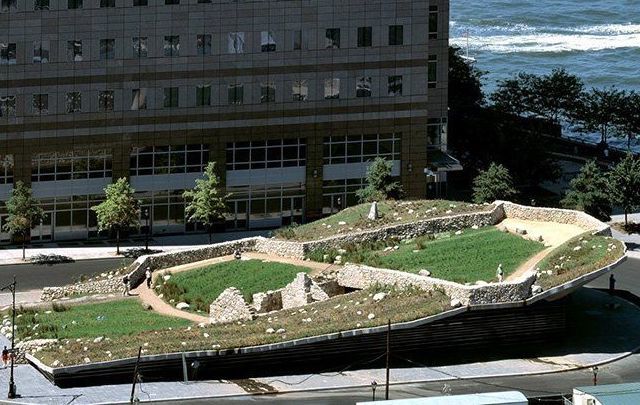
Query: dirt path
[
  {"x": 148, "y": 296},
  {"x": 553, "y": 235}
]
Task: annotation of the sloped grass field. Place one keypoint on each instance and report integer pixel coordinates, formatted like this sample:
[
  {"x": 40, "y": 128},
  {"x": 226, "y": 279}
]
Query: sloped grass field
[
  {"x": 468, "y": 257},
  {"x": 109, "y": 319},
  {"x": 200, "y": 287},
  {"x": 390, "y": 212},
  {"x": 579, "y": 256},
  {"x": 345, "y": 312}
]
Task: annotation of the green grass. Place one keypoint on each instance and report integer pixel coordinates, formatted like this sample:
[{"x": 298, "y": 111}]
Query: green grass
[
  {"x": 356, "y": 217},
  {"x": 474, "y": 255},
  {"x": 566, "y": 263},
  {"x": 108, "y": 319},
  {"x": 345, "y": 312},
  {"x": 200, "y": 287}
]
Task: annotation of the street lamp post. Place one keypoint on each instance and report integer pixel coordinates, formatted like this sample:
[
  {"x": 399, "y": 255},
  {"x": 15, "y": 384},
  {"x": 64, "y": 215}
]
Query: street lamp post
[
  {"x": 145, "y": 213},
  {"x": 12, "y": 287}
]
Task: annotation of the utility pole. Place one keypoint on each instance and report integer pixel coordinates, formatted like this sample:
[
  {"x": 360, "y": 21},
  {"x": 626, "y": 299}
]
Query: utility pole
[
  {"x": 135, "y": 376},
  {"x": 386, "y": 388},
  {"x": 12, "y": 287}
]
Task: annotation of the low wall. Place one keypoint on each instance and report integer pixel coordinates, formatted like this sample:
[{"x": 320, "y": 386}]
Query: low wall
[
  {"x": 361, "y": 277},
  {"x": 561, "y": 216},
  {"x": 171, "y": 259},
  {"x": 107, "y": 286}
]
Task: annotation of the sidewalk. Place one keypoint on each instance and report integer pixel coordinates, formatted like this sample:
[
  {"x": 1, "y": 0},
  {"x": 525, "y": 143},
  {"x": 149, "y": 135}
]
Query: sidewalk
[
  {"x": 632, "y": 241},
  {"x": 83, "y": 250},
  {"x": 613, "y": 334}
]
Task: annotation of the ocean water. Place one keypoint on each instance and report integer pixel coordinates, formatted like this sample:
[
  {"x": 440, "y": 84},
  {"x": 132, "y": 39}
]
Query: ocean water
[{"x": 596, "y": 40}]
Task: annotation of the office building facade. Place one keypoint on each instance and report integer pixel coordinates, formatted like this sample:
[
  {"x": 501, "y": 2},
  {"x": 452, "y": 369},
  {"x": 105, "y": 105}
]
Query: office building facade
[{"x": 291, "y": 98}]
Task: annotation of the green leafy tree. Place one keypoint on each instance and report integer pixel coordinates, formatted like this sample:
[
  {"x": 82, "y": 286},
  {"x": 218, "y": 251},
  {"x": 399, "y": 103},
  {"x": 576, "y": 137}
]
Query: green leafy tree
[
  {"x": 206, "y": 203},
  {"x": 465, "y": 89},
  {"x": 627, "y": 119},
  {"x": 380, "y": 183},
  {"x": 598, "y": 110},
  {"x": 24, "y": 214},
  {"x": 120, "y": 209},
  {"x": 624, "y": 180},
  {"x": 492, "y": 184},
  {"x": 589, "y": 192},
  {"x": 515, "y": 95}
]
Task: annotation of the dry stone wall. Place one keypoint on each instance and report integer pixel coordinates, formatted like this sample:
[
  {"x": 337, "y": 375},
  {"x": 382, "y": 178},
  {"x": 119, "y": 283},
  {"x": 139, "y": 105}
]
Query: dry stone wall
[
  {"x": 230, "y": 306},
  {"x": 361, "y": 277},
  {"x": 107, "y": 286}
]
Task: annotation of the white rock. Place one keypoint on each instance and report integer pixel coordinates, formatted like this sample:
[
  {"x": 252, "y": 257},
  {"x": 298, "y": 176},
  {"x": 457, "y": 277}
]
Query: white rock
[
  {"x": 455, "y": 303},
  {"x": 270, "y": 330},
  {"x": 536, "y": 289},
  {"x": 379, "y": 296},
  {"x": 182, "y": 305},
  {"x": 359, "y": 313},
  {"x": 425, "y": 273},
  {"x": 475, "y": 227},
  {"x": 280, "y": 331},
  {"x": 575, "y": 249},
  {"x": 167, "y": 277},
  {"x": 342, "y": 223},
  {"x": 371, "y": 316},
  {"x": 206, "y": 335},
  {"x": 98, "y": 339},
  {"x": 87, "y": 360},
  {"x": 458, "y": 232}
]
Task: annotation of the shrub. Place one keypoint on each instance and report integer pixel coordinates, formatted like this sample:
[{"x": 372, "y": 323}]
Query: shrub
[{"x": 57, "y": 307}]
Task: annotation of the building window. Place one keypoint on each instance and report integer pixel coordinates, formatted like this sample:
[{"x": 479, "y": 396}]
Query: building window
[
  {"x": 364, "y": 36},
  {"x": 433, "y": 22},
  {"x": 396, "y": 35},
  {"x": 8, "y": 106},
  {"x": 296, "y": 37},
  {"x": 236, "y": 42},
  {"x": 274, "y": 153},
  {"x": 7, "y": 54},
  {"x": 331, "y": 88},
  {"x": 74, "y": 4},
  {"x": 74, "y": 102},
  {"x": 363, "y": 87},
  {"x": 6, "y": 169},
  {"x": 105, "y": 101},
  {"x": 394, "y": 87},
  {"x": 41, "y": 5},
  {"x": 267, "y": 92},
  {"x": 171, "y": 2},
  {"x": 40, "y": 51},
  {"x": 107, "y": 3},
  {"x": 236, "y": 93},
  {"x": 300, "y": 90},
  {"x": 5, "y": 5},
  {"x": 332, "y": 38},
  {"x": 138, "y": 99},
  {"x": 79, "y": 164},
  {"x": 74, "y": 51},
  {"x": 169, "y": 159},
  {"x": 203, "y": 95},
  {"x": 360, "y": 148},
  {"x": 172, "y": 45},
  {"x": 204, "y": 44},
  {"x": 107, "y": 49},
  {"x": 432, "y": 71},
  {"x": 204, "y": 1},
  {"x": 267, "y": 41},
  {"x": 140, "y": 49},
  {"x": 170, "y": 97},
  {"x": 40, "y": 104},
  {"x": 140, "y": 3},
  {"x": 436, "y": 133}
]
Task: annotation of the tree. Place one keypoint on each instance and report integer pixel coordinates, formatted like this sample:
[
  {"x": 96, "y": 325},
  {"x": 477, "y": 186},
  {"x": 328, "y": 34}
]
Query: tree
[
  {"x": 206, "y": 203},
  {"x": 598, "y": 110},
  {"x": 119, "y": 210},
  {"x": 492, "y": 184},
  {"x": 589, "y": 192},
  {"x": 24, "y": 214},
  {"x": 627, "y": 119},
  {"x": 515, "y": 95},
  {"x": 465, "y": 89},
  {"x": 380, "y": 183},
  {"x": 624, "y": 180}
]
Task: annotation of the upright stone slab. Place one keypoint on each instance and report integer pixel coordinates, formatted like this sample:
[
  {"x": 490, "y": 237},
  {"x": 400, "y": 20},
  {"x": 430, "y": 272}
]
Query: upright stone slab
[
  {"x": 230, "y": 306},
  {"x": 297, "y": 293}
]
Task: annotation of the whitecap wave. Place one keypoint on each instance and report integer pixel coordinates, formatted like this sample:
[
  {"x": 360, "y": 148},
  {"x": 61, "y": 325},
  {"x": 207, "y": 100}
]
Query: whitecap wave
[
  {"x": 549, "y": 42},
  {"x": 611, "y": 29}
]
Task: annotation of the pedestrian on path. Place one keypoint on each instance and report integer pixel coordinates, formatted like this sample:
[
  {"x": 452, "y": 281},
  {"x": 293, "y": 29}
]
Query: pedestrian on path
[
  {"x": 612, "y": 284},
  {"x": 5, "y": 357},
  {"x": 125, "y": 282},
  {"x": 500, "y": 273},
  {"x": 147, "y": 274},
  {"x": 237, "y": 254}
]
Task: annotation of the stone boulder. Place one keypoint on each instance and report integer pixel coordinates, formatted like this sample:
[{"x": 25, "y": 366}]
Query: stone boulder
[
  {"x": 297, "y": 293},
  {"x": 230, "y": 306}
]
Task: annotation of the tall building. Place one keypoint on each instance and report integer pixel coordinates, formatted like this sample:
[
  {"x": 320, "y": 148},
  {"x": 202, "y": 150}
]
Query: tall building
[{"x": 291, "y": 98}]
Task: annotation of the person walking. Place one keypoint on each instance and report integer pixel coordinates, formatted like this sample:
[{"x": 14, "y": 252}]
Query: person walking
[
  {"x": 612, "y": 284},
  {"x": 5, "y": 357},
  {"x": 125, "y": 282},
  {"x": 147, "y": 275},
  {"x": 500, "y": 273},
  {"x": 237, "y": 254}
]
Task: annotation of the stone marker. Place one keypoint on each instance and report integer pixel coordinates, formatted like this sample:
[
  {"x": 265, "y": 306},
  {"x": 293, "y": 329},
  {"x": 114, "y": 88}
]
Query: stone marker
[{"x": 373, "y": 211}]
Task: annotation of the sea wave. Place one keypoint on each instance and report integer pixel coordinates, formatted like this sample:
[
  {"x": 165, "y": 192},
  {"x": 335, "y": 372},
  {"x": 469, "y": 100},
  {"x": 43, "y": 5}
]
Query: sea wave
[{"x": 549, "y": 42}]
